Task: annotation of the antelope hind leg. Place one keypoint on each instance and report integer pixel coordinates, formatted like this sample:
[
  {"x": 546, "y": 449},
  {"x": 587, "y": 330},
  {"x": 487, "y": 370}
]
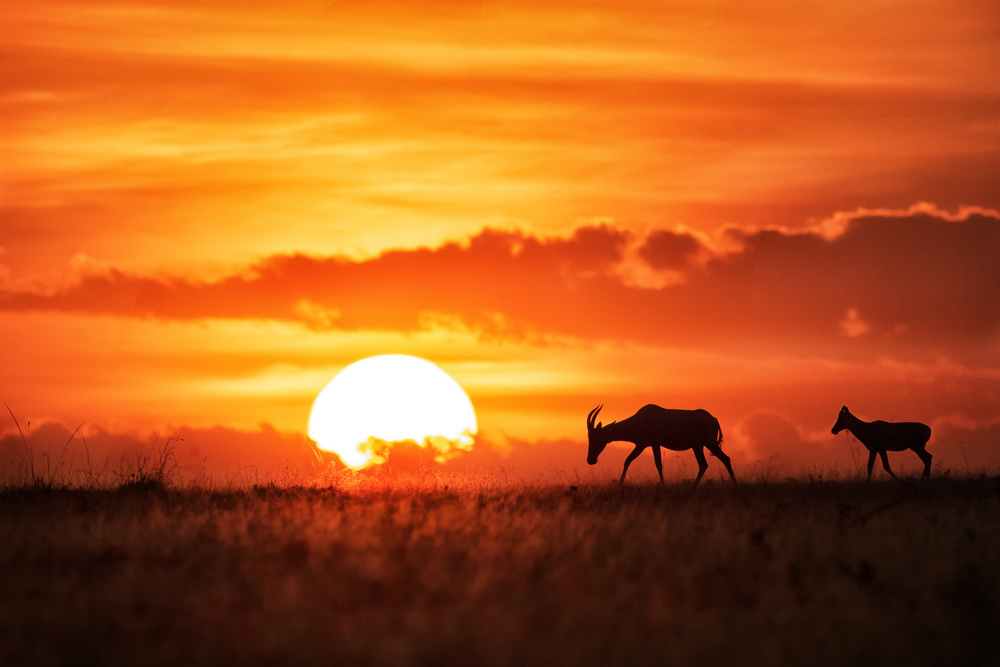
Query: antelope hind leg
[
  {"x": 719, "y": 454},
  {"x": 702, "y": 463},
  {"x": 926, "y": 457}
]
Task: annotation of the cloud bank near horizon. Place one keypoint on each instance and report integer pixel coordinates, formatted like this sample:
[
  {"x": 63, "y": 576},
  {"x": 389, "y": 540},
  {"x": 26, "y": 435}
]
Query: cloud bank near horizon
[{"x": 763, "y": 445}]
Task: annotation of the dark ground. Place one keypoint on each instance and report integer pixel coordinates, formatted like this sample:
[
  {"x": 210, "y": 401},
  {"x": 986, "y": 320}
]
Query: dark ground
[{"x": 788, "y": 573}]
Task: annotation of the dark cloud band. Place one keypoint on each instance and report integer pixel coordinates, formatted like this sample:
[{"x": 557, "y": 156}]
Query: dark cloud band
[{"x": 919, "y": 282}]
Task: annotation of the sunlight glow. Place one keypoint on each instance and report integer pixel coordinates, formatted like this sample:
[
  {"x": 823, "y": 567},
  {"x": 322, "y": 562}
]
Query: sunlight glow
[{"x": 391, "y": 398}]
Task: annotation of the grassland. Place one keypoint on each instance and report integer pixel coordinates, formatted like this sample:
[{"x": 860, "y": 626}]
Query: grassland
[{"x": 839, "y": 572}]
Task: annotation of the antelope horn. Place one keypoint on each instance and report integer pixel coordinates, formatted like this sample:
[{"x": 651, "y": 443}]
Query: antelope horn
[{"x": 592, "y": 417}]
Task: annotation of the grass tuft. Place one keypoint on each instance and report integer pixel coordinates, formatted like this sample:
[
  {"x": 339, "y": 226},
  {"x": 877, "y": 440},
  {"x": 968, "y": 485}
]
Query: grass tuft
[{"x": 153, "y": 472}]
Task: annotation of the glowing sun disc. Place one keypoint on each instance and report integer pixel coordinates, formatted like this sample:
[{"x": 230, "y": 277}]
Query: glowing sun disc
[{"x": 390, "y": 397}]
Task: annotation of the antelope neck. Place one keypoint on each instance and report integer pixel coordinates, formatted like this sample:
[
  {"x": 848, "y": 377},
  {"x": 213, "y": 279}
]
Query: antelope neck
[
  {"x": 615, "y": 431},
  {"x": 855, "y": 425}
]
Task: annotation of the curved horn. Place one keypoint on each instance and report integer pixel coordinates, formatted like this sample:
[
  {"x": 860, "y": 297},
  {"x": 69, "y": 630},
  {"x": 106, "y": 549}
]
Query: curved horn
[{"x": 592, "y": 417}]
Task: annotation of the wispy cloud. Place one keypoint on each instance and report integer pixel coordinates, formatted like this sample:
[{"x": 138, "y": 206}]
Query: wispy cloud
[{"x": 213, "y": 134}]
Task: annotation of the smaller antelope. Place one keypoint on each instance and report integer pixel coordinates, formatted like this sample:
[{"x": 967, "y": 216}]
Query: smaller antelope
[
  {"x": 881, "y": 437},
  {"x": 655, "y": 427}
]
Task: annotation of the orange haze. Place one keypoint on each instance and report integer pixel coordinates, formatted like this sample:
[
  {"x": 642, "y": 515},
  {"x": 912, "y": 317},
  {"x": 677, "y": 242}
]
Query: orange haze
[{"x": 207, "y": 211}]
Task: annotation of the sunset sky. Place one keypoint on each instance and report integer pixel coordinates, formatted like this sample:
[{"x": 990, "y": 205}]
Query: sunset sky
[{"x": 767, "y": 210}]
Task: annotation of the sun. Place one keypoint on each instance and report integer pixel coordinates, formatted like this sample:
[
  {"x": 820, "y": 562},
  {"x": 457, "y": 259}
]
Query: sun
[{"x": 391, "y": 398}]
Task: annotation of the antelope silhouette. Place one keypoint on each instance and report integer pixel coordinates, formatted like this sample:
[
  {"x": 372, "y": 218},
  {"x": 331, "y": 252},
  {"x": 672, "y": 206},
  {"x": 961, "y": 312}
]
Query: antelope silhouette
[
  {"x": 881, "y": 437},
  {"x": 655, "y": 427}
]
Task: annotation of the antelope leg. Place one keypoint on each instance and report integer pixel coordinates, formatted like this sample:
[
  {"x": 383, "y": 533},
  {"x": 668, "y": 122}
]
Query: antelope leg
[
  {"x": 628, "y": 462},
  {"x": 885, "y": 463},
  {"x": 699, "y": 454}
]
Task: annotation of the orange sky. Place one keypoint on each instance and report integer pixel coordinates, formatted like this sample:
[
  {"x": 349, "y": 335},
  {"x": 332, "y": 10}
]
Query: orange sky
[{"x": 207, "y": 212}]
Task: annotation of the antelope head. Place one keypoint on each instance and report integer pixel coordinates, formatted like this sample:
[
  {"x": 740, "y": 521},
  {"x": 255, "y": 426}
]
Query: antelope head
[
  {"x": 595, "y": 443},
  {"x": 843, "y": 421}
]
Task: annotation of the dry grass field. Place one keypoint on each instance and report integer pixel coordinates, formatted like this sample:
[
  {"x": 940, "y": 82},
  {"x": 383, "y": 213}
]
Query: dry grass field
[{"x": 824, "y": 572}]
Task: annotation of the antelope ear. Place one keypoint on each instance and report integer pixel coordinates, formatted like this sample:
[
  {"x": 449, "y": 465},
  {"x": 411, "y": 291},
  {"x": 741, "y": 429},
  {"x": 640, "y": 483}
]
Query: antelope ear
[{"x": 600, "y": 424}]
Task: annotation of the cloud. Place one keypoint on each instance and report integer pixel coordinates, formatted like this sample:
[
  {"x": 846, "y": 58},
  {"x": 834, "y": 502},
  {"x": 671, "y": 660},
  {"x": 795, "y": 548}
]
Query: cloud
[
  {"x": 215, "y": 454},
  {"x": 762, "y": 443},
  {"x": 853, "y": 325},
  {"x": 965, "y": 444},
  {"x": 664, "y": 249},
  {"x": 221, "y": 455},
  {"x": 778, "y": 447},
  {"x": 161, "y": 117},
  {"x": 916, "y": 283}
]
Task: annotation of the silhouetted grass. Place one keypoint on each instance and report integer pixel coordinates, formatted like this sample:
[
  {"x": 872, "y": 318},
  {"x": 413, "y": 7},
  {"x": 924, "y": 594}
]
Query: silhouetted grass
[
  {"x": 154, "y": 470},
  {"x": 818, "y": 572}
]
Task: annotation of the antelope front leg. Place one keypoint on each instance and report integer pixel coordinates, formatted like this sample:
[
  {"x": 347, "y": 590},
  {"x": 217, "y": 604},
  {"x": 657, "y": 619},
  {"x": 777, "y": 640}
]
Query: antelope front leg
[
  {"x": 628, "y": 462},
  {"x": 658, "y": 461},
  {"x": 871, "y": 463}
]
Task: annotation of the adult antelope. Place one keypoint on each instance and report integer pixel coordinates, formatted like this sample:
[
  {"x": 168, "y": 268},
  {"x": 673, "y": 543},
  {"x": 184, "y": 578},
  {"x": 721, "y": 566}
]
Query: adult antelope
[
  {"x": 881, "y": 437},
  {"x": 653, "y": 426}
]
